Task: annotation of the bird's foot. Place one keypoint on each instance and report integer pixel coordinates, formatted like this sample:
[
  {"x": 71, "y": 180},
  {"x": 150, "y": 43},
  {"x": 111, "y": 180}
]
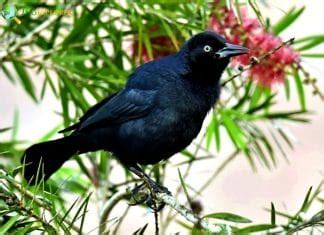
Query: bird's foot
[
  {"x": 140, "y": 194},
  {"x": 146, "y": 194},
  {"x": 157, "y": 188},
  {"x": 151, "y": 190}
]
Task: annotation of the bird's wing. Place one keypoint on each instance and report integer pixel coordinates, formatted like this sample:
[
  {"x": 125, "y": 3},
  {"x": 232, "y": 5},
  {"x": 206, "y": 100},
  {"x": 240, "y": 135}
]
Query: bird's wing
[
  {"x": 126, "y": 105},
  {"x": 87, "y": 114},
  {"x": 137, "y": 98}
]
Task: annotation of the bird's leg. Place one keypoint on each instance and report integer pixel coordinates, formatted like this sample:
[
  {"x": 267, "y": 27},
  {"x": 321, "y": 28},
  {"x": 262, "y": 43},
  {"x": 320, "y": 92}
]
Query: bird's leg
[
  {"x": 152, "y": 186},
  {"x": 155, "y": 187}
]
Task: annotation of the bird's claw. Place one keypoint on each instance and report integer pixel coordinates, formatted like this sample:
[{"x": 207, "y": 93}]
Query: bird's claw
[
  {"x": 141, "y": 194},
  {"x": 157, "y": 188}
]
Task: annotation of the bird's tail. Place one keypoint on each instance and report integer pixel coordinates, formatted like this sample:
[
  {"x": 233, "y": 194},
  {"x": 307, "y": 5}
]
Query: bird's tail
[{"x": 43, "y": 159}]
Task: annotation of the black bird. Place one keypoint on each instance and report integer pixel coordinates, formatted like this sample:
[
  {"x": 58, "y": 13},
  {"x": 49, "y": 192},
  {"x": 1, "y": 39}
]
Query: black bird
[{"x": 158, "y": 113}]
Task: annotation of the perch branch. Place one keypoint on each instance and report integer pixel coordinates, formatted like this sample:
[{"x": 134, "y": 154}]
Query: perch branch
[
  {"x": 188, "y": 214},
  {"x": 163, "y": 197}
]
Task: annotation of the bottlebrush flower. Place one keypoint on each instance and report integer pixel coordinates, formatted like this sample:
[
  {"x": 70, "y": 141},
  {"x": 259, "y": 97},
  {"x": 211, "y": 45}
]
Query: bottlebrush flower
[{"x": 251, "y": 34}]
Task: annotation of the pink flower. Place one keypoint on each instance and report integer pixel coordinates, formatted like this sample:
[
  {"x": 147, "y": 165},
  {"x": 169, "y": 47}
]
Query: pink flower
[{"x": 250, "y": 33}]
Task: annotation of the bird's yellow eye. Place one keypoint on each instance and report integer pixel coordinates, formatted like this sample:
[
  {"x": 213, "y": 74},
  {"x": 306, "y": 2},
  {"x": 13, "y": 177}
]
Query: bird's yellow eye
[{"x": 207, "y": 48}]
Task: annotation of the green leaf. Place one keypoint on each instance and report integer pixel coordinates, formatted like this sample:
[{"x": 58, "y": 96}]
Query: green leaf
[
  {"x": 50, "y": 133},
  {"x": 228, "y": 217},
  {"x": 83, "y": 206},
  {"x": 72, "y": 58},
  {"x": 64, "y": 103},
  {"x": 254, "y": 228},
  {"x": 15, "y": 126},
  {"x": 170, "y": 33},
  {"x": 309, "y": 38},
  {"x": 313, "y": 55},
  {"x": 306, "y": 200},
  {"x": 184, "y": 187},
  {"x": 165, "y": 2},
  {"x": 43, "y": 90},
  {"x": 7, "y": 72},
  {"x": 148, "y": 45},
  {"x": 6, "y": 227},
  {"x": 309, "y": 42},
  {"x": 83, "y": 25},
  {"x": 50, "y": 82},
  {"x": 273, "y": 214},
  {"x": 318, "y": 217},
  {"x": 217, "y": 133},
  {"x": 290, "y": 115},
  {"x": 68, "y": 212},
  {"x": 257, "y": 94},
  {"x": 210, "y": 133},
  {"x": 188, "y": 154},
  {"x": 234, "y": 131},
  {"x": 287, "y": 88},
  {"x": 260, "y": 153},
  {"x": 75, "y": 92},
  {"x": 300, "y": 90},
  {"x": 257, "y": 11},
  {"x": 285, "y": 136},
  {"x": 5, "y": 129},
  {"x": 28, "y": 229},
  {"x": 213, "y": 131},
  {"x": 104, "y": 163},
  {"x": 247, "y": 153},
  {"x": 287, "y": 20},
  {"x": 141, "y": 230},
  {"x": 25, "y": 79},
  {"x": 237, "y": 11}
]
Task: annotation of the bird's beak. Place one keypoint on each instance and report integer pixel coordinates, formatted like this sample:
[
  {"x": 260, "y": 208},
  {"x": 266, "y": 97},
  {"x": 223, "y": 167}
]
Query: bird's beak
[{"x": 231, "y": 50}]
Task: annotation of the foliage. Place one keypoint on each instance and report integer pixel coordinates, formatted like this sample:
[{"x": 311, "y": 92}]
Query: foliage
[{"x": 84, "y": 56}]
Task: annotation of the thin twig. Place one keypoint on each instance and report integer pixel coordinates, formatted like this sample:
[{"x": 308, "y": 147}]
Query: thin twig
[
  {"x": 257, "y": 60},
  {"x": 218, "y": 171},
  {"x": 156, "y": 218},
  {"x": 311, "y": 81},
  {"x": 38, "y": 202},
  {"x": 107, "y": 208},
  {"x": 120, "y": 220}
]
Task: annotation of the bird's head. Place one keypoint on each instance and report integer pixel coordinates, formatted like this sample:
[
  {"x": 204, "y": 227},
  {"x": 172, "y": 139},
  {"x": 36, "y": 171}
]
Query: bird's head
[{"x": 210, "y": 51}]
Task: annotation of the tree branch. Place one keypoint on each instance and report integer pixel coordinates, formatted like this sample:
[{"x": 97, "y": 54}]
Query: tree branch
[
  {"x": 188, "y": 214},
  {"x": 107, "y": 208},
  {"x": 28, "y": 38},
  {"x": 162, "y": 197},
  {"x": 257, "y": 60},
  {"x": 311, "y": 81}
]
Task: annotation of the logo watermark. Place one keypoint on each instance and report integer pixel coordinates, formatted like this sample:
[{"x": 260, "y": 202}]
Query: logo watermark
[{"x": 10, "y": 12}]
